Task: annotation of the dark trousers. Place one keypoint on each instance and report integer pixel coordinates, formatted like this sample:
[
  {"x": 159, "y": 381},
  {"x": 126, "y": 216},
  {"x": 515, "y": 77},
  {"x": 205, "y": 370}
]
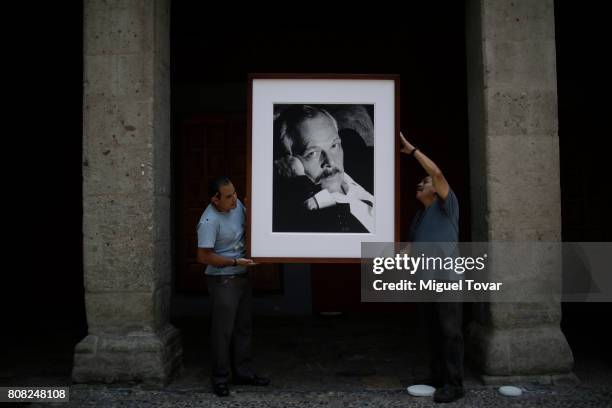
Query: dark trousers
[
  {"x": 443, "y": 321},
  {"x": 231, "y": 326}
]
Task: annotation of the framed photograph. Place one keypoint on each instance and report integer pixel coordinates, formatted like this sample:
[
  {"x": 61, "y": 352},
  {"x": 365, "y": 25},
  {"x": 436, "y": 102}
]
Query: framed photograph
[{"x": 323, "y": 166}]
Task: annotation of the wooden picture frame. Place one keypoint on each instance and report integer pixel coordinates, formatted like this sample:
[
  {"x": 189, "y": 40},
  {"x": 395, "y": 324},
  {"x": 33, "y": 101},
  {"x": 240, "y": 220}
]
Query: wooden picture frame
[{"x": 323, "y": 165}]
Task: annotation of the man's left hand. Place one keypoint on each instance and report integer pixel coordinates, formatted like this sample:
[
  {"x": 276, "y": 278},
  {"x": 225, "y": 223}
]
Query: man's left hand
[
  {"x": 245, "y": 262},
  {"x": 407, "y": 147}
]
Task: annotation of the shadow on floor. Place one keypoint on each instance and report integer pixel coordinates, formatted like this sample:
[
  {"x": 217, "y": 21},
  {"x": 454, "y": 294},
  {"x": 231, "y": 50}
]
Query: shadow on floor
[{"x": 305, "y": 352}]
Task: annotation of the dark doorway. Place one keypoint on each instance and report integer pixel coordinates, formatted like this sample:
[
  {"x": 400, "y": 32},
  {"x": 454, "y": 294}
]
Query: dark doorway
[
  {"x": 211, "y": 61},
  {"x": 584, "y": 156}
]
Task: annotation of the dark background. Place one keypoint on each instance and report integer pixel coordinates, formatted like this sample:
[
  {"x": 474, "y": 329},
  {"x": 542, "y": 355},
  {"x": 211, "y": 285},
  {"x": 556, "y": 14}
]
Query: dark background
[{"x": 42, "y": 288}]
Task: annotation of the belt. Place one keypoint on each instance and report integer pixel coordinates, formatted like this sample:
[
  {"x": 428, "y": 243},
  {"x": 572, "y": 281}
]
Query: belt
[{"x": 227, "y": 278}]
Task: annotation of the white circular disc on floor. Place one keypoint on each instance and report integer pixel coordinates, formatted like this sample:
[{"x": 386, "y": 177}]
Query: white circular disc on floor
[
  {"x": 421, "y": 390},
  {"x": 510, "y": 391}
]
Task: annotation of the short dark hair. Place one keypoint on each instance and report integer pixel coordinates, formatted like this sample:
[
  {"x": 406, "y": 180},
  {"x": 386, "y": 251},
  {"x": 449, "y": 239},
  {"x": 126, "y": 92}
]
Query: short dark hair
[{"x": 215, "y": 185}]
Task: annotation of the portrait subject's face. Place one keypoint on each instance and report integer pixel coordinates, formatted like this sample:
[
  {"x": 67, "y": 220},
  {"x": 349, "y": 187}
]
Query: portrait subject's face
[{"x": 322, "y": 154}]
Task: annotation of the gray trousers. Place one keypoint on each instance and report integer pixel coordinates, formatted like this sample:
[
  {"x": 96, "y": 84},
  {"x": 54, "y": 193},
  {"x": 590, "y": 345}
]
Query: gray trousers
[
  {"x": 444, "y": 329},
  {"x": 231, "y": 326}
]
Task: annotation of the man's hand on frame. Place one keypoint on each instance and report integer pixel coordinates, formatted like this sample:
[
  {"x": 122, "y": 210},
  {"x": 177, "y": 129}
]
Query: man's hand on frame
[
  {"x": 245, "y": 262},
  {"x": 407, "y": 147}
]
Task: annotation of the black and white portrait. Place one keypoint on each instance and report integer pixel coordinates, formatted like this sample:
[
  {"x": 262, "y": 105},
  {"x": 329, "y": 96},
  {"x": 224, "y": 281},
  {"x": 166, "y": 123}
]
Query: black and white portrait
[{"x": 323, "y": 166}]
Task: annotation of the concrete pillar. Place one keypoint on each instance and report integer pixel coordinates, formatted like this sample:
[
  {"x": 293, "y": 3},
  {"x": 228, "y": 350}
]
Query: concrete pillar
[
  {"x": 126, "y": 194},
  {"x": 514, "y": 164}
]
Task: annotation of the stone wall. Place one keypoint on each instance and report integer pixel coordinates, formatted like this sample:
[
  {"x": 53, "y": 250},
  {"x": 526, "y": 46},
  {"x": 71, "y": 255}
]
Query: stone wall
[
  {"x": 126, "y": 194},
  {"x": 515, "y": 180}
]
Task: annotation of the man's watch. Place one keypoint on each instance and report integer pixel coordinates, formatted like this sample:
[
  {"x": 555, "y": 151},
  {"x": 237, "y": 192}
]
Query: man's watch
[{"x": 235, "y": 262}]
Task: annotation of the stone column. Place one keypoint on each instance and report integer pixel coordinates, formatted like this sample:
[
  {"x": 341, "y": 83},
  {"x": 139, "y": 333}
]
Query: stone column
[
  {"x": 514, "y": 165},
  {"x": 126, "y": 195}
]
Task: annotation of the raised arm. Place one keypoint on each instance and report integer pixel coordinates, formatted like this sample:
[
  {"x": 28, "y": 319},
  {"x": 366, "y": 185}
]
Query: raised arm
[{"x": 438, "y": 179}]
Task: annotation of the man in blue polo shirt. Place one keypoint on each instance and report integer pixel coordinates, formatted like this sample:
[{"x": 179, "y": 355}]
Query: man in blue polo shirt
[
  {"x": 438, "y": 222},
  {"x": 221, "y": 245}
]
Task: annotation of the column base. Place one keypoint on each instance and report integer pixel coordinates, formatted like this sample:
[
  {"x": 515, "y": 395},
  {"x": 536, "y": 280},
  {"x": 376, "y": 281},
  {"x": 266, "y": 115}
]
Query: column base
[
  {"x": 535, "y": 352},
  {"x": 555, "y": 379},
  {"x": 144, "y": 357}
]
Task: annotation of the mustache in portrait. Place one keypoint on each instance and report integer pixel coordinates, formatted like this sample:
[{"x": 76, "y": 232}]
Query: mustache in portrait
[{"x": 327, "y": 172}]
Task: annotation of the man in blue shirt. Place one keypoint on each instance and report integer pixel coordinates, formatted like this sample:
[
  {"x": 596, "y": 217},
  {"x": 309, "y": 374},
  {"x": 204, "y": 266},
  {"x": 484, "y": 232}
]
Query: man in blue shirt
[
  {"x": 438, "y": 222},
  {"x": 221, "y": 245}
]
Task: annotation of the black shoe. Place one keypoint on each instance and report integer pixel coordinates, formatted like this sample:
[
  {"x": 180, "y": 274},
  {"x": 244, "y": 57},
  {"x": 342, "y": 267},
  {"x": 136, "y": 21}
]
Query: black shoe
[
  {"x": 431, "y": 381},
  {"x": 448, "y": 393},
  {"x": 254, "y": 380},
  {"x": 221, "y": 389}
]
